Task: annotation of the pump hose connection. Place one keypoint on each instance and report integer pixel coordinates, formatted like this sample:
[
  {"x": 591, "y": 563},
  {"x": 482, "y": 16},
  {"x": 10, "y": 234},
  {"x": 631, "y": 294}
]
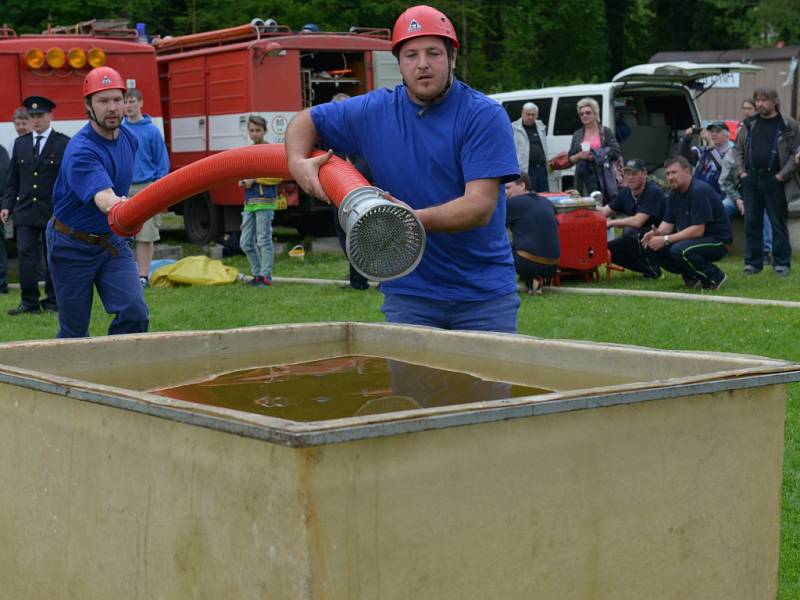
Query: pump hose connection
[{"x": 385, "y": 240}]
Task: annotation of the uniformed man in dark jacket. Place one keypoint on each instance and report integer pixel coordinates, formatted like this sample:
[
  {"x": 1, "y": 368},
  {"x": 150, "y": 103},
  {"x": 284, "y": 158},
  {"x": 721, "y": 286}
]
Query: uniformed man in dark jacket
[
  {"x": 4, "y": 162},
  {"x": 35, "y": 162}
]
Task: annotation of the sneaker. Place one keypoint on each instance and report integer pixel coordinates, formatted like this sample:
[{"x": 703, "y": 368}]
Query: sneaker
[
  {"x": 781, "y": 271},
  {"x": 655, "y": 274},
  {"x": 144, "y": 281},
  {"x": 715, "y": 286},
  {"x": 751, "y": 270},
  {"x": 258, "y": 282},
  {"x": 691, "y": 282},
  {"x": 267, "y": 280}
]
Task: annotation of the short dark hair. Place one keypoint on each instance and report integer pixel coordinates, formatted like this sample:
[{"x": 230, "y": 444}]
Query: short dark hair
[
  {"x": 680, "y": 160},
  {"x": 258, "y": 121},
  {"x": 525, "y": 180},
  {"x": 133, "y": 93}
]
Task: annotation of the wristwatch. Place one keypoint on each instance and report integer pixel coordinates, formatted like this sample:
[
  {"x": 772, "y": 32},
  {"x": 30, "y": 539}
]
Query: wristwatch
[{"x": 666, "y": 241}]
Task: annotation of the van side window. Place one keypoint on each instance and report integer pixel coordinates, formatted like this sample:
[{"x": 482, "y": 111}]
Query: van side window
[
  {"x": 514, "y": 108},
  {"x": 567, "y": 120}
]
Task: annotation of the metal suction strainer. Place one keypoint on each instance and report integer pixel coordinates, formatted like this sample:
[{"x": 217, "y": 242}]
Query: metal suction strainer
[{"x": 384, "y": 240}]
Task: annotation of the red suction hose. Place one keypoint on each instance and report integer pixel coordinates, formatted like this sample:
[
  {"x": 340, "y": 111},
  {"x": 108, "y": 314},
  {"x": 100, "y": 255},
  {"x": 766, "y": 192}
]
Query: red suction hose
[{"x": 338, "y": 178}]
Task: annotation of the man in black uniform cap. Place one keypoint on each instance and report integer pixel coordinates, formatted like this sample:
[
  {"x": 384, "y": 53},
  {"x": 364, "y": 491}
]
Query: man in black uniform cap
[{"x": 28, "y": 197}]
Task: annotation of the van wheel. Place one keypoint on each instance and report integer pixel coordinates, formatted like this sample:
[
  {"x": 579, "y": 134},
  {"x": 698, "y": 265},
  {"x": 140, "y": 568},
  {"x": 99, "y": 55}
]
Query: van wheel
[{"x": 202, "y": 220}]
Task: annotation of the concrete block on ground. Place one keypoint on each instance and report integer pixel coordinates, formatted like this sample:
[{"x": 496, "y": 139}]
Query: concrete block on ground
[
  {"x": 326, "y": 245},
  {"x": 161, "y": 251}
]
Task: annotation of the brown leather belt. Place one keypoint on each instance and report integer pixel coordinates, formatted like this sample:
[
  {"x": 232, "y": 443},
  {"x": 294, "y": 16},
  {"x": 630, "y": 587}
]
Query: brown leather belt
[
  {"x": 89, "y": 238},
  {"x": 537, "y": 259}
]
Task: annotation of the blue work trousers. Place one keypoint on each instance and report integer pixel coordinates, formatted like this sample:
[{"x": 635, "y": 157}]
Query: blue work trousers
[
  {"x": 497, "y": 314},
  {"x": 78, "y": 267}
]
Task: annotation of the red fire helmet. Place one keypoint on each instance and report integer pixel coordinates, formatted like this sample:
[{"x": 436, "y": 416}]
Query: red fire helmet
[
  {"x": 419, "y": 21},
  {"x": 102, "y": 78}
]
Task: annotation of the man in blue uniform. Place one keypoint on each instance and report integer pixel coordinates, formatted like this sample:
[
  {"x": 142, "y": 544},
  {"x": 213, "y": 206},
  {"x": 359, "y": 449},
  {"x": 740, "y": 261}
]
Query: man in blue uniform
[
  {"x": 95, "y": 174},
  {"x": 445, "y": 150},
  {"x": 28, "y": 199},
  {"x": 534, "y": 234},
  {"x": 641, "y": 206},
  {"x": 695, "y": 231}
]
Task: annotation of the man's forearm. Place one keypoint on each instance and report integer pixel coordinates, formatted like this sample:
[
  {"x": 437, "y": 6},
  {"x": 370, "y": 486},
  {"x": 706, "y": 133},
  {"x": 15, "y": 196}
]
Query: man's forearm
[
  {"x": 473, "y": 209},
  {"x": 301, "y": 137},
  {"x": 105, "y": 199}
]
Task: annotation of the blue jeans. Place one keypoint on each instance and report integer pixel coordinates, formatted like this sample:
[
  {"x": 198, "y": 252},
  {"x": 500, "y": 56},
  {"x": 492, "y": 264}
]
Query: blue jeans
[
  {"x": 538, "y": 177},
  {"x": 78, "y": 267},
  {"x": 733, "y": 211},
  {"x": 497, "y": 314},
  {"x": 256, "y": 241},
  {"x": 763, "y": 192}
]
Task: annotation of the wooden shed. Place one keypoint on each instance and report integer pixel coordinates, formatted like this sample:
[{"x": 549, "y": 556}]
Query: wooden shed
[{"x": 723, "y": 101}]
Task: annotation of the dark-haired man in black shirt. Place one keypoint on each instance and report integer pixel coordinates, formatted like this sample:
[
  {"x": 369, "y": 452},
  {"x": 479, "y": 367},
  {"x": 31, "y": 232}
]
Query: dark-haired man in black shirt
[{"x": 764, "y": 152}]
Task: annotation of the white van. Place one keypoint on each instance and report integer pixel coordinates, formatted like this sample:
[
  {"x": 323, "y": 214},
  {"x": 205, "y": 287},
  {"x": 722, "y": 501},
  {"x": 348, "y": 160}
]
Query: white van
[{"x": 656, "y": 103}]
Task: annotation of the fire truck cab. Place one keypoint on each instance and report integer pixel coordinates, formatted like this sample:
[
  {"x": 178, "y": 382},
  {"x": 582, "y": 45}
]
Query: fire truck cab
[
  {"x": 212, "y": 81},
  {"x": 54, "y": 65}
]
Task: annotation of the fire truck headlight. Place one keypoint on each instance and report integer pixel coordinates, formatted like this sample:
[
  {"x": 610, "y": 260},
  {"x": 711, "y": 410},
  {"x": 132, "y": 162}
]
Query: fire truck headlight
[
  {"x": 56, "y": 58},
  {"x": 76, "y": 58},
  {"x": 96, "y": 57},
  {"x": 34, "y": 58}
]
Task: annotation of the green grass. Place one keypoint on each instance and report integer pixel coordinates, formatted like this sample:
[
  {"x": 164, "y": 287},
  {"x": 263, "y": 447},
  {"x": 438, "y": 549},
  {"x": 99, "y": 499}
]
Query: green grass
[{"x": 658, "y": 323}]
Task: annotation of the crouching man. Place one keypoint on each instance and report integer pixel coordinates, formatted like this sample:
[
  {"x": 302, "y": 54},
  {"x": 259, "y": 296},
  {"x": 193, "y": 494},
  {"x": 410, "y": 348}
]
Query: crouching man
[{"x": 695, "y": 231}]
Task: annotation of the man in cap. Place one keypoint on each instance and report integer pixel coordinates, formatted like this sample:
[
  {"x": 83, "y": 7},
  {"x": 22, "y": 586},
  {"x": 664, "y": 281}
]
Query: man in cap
[
  {"x": 28, "y": 198},
  {"x": 444, "y": 149},
  {"x": 96, "y": 173},
  {"x": 637, "y": 208},
  {"x": 707, "y": 159}
]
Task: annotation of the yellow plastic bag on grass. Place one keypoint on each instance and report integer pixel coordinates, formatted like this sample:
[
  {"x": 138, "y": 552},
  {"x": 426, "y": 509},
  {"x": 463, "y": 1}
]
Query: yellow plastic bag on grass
[{"x": 194, "y": 270}]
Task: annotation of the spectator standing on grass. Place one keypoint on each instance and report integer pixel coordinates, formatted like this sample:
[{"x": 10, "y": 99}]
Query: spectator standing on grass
[
  {"x": 695, "y": 231},
  {"x": 445, "y": 150},
  {"x": 707, "y": 158},
  {"x": 530, "y": 140},
  {"x": 534, "y": 232},
  {"x": 764, "y": 150},
  {"x": 85, "y": 254},
  {"x": 261, "y": 199},
  {"x": 4, "y": 165},
  {"x": 28, "y": 199},
  {"x": 152, "y": 163}
]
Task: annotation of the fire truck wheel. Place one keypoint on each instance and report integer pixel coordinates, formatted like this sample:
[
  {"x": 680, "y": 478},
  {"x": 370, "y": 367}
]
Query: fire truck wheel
[{"x": 202, "y": 220}]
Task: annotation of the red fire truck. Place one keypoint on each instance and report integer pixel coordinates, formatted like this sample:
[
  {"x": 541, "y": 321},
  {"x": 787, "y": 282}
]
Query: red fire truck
[
  {"x": 212, "y": 81},
  {"x": 205, "y": 85},
  {"x": 54, "y": 65}
]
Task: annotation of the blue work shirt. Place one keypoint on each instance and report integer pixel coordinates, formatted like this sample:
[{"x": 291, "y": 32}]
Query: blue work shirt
[
  {"x": 425, "y": 158},
  {"x": 92, "y": 163}
]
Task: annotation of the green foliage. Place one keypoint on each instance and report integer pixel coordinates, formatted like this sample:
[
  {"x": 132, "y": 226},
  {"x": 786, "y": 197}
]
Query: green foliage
[{"x": 505, "y": 45}]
